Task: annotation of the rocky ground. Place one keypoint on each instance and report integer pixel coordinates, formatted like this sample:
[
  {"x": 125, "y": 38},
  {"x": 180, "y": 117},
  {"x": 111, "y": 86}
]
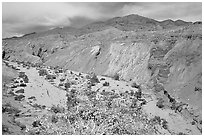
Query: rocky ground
[{"x": 39, "y": 99}]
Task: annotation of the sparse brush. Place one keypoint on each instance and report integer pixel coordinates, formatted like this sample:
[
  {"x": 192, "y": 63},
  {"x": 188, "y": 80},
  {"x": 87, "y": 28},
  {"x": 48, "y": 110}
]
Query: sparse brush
[
  {"x": 42, "y": 72},
  {"x": 160, "y": 103},
  {"x": 94, "y": 78},
  {"x": 57, "y": 109},
  {"x": 116, "y": 76},
  {"x": 135, "y": 85},
  {"x": 54, "y": 119},
  {"x": 106, "y": 84},
  {"x": 67, "y": 85}
]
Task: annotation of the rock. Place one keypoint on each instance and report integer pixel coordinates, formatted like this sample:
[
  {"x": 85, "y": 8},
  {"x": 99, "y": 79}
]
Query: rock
[
  {"x": 20, "y": 91},
  {"x": 5, "y": 129},
  {"x": 19, "y": 97},
  {"x": 32, "y": 97},
  {"x": 22, "y": 85},
  {"x": 160, "y": 103}
]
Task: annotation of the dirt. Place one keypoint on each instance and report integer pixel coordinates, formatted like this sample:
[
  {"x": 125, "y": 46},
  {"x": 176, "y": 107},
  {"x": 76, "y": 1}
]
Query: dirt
[{"x": 86, "y": 107}]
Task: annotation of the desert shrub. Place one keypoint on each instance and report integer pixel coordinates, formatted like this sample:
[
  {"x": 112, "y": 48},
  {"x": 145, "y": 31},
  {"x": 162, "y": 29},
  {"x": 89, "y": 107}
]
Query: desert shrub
[
  {"x": 181, "y": 133},
  {"x": 37, "y": 106},
  {"x": 172, "y": 100},
  {"x": 156, "y": 120},
  {"x": 60, "y": 70},
  {"x": 61, "y": 84},
  {"x": 7, "y": 108},
  {"x": 62, "y": 79},
  {"x": 22, "y": 126},
  {"x": 54, "y": 119},
  {"x": 164, "y": 124},
  {"x": 102, "y": 79},
  {"x": 134, "y": 85},
  {"x": 160, "y": 103},
  {"x": 25, "y": 79},
  {"x": 165, "y": 92},
  {"x": 67, "y": 85},
  {"x": 42, "y": 72},
  {"x": 116, "y": 76},
  {"x": 57, "y": 109},
  {"x": 158, "y": 87},
  {"x": 36, "y": 123},
  {"x": 5, "y": 129},
  {"x": 14, "y": 86},
  {"x": 50, "y": 77},
  {"x": 106, "y": 84},
  {"x": 91, "y": 94},
  {"x": 21, "y": 74},
  {"x": 19, "y": 98},
  {"x": 94, "y": 78},
  {"x": 134, "y": 103},
  {"x": 72, "y": 101},
  {"x": 138, "y": 94}
]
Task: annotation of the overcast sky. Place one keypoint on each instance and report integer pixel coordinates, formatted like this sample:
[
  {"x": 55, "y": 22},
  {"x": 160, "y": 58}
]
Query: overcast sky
[{"x": 21, "y": 18}]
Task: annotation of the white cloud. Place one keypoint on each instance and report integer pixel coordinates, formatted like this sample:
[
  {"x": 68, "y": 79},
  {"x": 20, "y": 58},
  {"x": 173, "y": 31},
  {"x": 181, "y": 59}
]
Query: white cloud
[
  {"x": 27, "y": 17},
  {"x": 162, "y": 11}
]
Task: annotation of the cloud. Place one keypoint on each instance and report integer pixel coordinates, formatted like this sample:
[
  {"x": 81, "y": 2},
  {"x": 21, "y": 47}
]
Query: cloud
[
  {"x": 22, "y": 17},
  {"x": 161, "y": 11}
]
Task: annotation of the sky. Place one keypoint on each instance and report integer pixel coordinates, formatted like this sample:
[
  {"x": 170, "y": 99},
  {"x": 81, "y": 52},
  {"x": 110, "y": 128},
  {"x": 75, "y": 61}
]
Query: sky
[{"x": 21, "y": 18}]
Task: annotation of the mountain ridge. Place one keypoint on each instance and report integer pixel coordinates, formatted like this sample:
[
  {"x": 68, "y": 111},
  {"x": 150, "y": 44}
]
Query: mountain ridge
[{"x": 113, "y": 22}]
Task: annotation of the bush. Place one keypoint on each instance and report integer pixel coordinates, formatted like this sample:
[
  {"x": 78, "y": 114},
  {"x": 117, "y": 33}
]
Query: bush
[
  {"x": 7, "y": 108},
  {"x": 134, "y": 85},
  {"x": 36, "y": 123},
  {"x": 158, "y": 87},
  {"x": 60, "y": 84},
  {"x": 116, "y": 76},
  {"x": 42, "y": 72},
  {"x": 50, "y": 77},
  {"x": 94, "y": 78},
  {"x": 102, "y": 79},
  {"x": 156, "y": 120},
  {"x": 26, "y": 80},
  {"x": 106, "y": 84},
  {"x": 160, "y": 103},
  {"x": 57, "y": 109},
  {"x": 67, "y": 85},
  {"x": 5, "y": 129},
  {"x": 19, "y": 98},
  {"x": 54, "y": 119},
  {"x": 164, "y": 124},
  {"x": 62, "y": 79}
]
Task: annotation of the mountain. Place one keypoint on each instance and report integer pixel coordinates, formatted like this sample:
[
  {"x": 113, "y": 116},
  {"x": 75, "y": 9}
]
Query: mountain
[{"x": 163, "y": 56}]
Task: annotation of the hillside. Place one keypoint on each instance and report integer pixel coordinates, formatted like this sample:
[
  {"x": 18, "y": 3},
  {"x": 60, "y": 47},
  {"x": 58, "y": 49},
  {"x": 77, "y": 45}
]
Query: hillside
[{"x": 164, "y": 57}]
